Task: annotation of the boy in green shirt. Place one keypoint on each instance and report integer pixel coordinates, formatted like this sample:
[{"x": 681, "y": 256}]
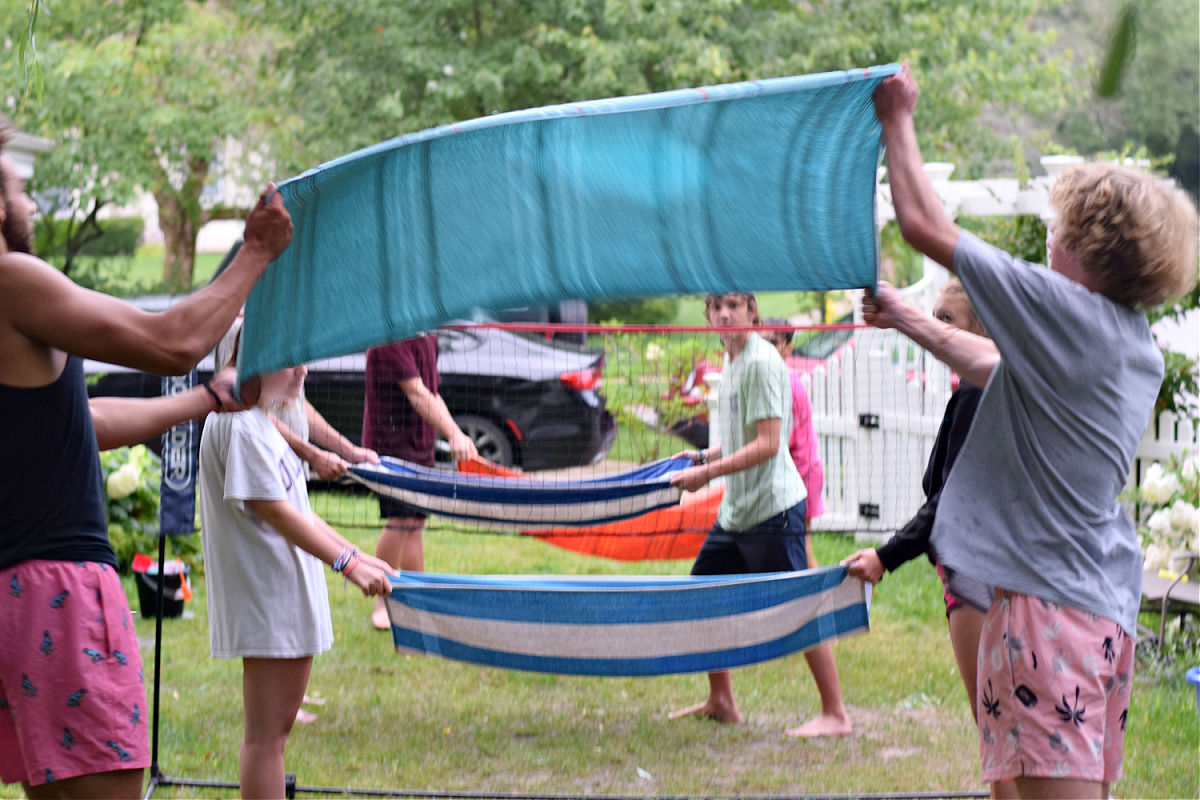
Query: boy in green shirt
[{"x": 760, "y": 525}]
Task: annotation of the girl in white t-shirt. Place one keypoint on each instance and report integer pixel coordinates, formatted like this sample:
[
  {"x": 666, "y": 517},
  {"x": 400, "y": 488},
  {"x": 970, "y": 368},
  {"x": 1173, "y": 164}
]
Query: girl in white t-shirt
[{"x": 263, "y": 553}]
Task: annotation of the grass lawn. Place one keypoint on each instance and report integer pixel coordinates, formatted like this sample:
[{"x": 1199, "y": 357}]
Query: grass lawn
[
  {"x": 142, "y": 273},
  {"x": 410, "y": 722}
]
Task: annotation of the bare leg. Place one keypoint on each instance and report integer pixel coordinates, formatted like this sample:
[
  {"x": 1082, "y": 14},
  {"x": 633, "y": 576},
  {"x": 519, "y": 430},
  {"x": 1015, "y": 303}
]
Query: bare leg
[
  {"x": 833, "y": 721},
  {"x": 401, "y": 544},
  {"x": 965, "y": 624},
  {"x": 122, "y": 783},
  {"x": 1046, "y": 788},
  {"x": 272, "y": 689},
  {"x": 720, "y": 704}
]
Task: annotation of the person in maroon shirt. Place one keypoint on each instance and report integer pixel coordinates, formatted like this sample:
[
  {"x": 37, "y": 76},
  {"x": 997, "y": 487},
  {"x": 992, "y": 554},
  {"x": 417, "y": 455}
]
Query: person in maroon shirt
[{"x": 402, "y": 416}]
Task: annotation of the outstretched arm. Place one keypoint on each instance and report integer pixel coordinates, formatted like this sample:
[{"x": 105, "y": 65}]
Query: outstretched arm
[
  {"x": 315, "y": 539},
  {"x": 320, "y": 432},
  {"x": 45, "y": 306},
  {"x": 972, "y": 357},
  {"x": 763, "y": 446},
  {"x": 922, "y": 220},
  {"x": 121, "y": 421},
  {"x": 432, "y": 409}
]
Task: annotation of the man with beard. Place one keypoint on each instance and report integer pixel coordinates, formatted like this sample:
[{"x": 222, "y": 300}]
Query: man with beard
[{"x": 70, "y": 673}]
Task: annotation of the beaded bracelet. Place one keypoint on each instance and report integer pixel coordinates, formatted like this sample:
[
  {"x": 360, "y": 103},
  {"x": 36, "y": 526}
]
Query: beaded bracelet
[
  {"x": 339, "y": 563},
  {"x": 353, "y": 562}
]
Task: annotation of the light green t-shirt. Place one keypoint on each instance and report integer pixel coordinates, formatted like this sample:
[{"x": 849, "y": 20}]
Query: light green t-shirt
[{"x": 755, "y": 386}]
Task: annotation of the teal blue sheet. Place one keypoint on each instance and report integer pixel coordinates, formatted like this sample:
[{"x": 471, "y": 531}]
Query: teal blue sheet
[{"x": 764, "y": 185}]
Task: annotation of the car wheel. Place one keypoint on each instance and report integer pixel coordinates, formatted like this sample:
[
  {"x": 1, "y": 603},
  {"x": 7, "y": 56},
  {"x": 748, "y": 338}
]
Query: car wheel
[{"x": 489, "y": 438}]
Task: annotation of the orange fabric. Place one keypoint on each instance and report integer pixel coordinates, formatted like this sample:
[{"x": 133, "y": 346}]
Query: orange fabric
[{"x": 676, "y": 532}]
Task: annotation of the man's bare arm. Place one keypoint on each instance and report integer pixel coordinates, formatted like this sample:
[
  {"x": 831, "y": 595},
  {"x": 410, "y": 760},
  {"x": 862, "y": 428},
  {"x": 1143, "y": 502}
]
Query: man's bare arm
[
  {"x": 43, "y": 305},
  {"x": 432, "y": 409},
  {"x": 763, "y": 446},
  {"x": 121, "y": 421}
]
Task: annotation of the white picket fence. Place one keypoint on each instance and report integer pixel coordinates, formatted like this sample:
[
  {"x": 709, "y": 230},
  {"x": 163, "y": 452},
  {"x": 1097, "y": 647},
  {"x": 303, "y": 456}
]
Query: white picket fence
[{"x": 876, "y": 411}]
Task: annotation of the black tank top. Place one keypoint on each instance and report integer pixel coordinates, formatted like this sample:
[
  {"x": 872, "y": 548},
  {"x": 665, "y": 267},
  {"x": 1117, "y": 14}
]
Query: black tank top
[{"x": 51, "y": 490}]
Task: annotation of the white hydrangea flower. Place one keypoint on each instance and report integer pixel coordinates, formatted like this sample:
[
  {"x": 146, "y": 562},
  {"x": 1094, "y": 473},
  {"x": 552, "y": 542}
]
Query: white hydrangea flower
[
  {"x": 1190, "y": 470},
  {"x": 1155, "y": 557},
  {"x": 1185, "y": 517},
  {"x": 1159, "y": 524},
  {"x": 1159, "y": 486},
  {"x": 123, "y": 481},
  {"x": 654, "y": 352}
]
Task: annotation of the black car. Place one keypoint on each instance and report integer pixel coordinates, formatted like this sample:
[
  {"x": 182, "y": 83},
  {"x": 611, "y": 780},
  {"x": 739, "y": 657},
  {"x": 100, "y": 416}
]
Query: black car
[{"x": 526, "y": 402}]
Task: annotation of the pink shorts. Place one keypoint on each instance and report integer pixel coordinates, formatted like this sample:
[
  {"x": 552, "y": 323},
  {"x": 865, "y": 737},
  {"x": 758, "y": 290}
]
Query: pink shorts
[
  {"x": 1053, "y": 691},
  {"x": 952, "y": 602},
  {"x": 71, "y": 682}
]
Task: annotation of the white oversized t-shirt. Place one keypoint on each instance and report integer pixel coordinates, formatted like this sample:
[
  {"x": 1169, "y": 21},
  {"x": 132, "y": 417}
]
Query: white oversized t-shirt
[{"x": 266, "y": 597}]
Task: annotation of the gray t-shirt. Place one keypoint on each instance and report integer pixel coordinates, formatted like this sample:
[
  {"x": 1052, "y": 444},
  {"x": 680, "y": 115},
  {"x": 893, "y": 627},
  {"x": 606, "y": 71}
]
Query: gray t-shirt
[{"x": 1031, "y": 504}]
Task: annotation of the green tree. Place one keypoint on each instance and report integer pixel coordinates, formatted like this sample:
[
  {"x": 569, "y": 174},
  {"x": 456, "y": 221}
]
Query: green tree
[
  {"x": 395, "y": 67},
  {"x": 148, "y": 94},
  {"x": 1156, "y": 103}
]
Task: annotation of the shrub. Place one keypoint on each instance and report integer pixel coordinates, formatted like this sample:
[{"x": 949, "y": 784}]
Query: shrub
[
  {"x": 1169, "y": 496},
  {"x": 131, "y": 482},
  {"x": 637, "y": 310},
  {"x": 119, "y": 236}
]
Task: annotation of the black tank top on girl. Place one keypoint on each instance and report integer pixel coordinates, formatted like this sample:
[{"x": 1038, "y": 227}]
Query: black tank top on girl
[{"x": 52, "y": 502}]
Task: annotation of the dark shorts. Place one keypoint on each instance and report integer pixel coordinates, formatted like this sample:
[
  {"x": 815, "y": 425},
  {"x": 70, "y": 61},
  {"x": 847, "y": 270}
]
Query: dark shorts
[
  {"x": 773, "y": 545},
  {"x": 391, "y": 507}
]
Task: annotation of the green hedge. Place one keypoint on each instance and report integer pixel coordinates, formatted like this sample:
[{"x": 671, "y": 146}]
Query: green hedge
[{"x": 120, "y": 237}]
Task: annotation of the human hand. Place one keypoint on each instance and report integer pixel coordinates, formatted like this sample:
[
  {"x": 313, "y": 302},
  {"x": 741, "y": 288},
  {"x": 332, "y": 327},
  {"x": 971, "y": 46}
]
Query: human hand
[
  {"x": 691, "y": 479},
  {"x": 864, "y": 564},
  {"x": 328, "y": 466},
  {"x": 378, "y": 563},
  {"x": 462, "y": 448},
  {"x": 690, "y": 455},
  {"x": 269, "y": 225},
  {"x": 370, "y": 578},
  {"x": 880, "y": 308},
  {"x": 360, "y": 454},
  {"x": 896, "y": 96},
  {"x": 223, "y": 384}
]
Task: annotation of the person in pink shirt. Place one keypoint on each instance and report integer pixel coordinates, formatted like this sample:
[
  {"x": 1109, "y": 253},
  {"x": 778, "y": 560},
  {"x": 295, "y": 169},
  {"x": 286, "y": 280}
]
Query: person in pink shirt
[{"x": 802, "y": 442}]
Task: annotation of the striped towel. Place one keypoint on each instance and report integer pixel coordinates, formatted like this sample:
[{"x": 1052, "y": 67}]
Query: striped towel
[
  {"x": 521, "y": 501},
  {"x": 611, "y": 626}
]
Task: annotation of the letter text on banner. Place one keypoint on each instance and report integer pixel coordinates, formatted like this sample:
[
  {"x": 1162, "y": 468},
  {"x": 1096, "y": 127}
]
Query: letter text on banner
[{"x": 177, "y": 512}]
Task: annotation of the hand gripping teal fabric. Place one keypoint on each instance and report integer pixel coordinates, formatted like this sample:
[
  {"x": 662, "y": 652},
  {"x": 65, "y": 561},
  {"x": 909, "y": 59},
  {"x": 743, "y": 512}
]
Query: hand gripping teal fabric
[{"x": 755, "y": 186}]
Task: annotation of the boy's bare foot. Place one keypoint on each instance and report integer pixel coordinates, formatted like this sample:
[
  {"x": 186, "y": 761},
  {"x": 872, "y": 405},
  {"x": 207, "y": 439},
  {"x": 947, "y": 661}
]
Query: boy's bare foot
[
  {"x": 305, "y": 716},
  {"x": 379, "y": 617},
  {"x": 710, "y": 709},
  {"x": 824, "y": 725}
]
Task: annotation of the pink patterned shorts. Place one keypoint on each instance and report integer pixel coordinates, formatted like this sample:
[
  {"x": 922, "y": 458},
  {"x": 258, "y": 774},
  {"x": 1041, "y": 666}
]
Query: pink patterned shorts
[
  {"x": 72, "y": 696},
  {"x": 1053, "y": 691}
]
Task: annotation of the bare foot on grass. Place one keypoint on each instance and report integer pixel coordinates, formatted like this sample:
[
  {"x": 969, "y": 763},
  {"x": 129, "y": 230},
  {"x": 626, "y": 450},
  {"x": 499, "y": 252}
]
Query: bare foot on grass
[
  {"x": 709, "y": 709},
  {"x": 379, "y": 617},
  {"x": 824, "y": 725}
]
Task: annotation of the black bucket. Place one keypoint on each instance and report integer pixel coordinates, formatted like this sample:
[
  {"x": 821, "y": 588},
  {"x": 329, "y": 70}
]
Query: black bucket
[{"x": 147, "y": 586}]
